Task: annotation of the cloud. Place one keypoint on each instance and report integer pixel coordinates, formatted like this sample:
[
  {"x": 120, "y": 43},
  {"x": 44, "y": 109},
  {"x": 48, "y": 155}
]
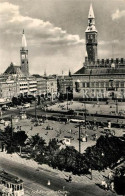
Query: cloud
[
  {"x": 103, "y": 43},
  {"x": 38, "y": 31},
  {"x": 118, "y": 14}
]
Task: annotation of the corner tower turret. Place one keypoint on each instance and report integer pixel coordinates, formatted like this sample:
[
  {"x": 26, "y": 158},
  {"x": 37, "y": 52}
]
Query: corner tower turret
[
  {"x": 24, "y": 56},
  {"x": 91, "y": 37}
]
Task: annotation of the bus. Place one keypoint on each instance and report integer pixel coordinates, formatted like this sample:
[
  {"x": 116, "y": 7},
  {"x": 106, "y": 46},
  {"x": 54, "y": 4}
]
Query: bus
[{"x": 12, "y": 185}]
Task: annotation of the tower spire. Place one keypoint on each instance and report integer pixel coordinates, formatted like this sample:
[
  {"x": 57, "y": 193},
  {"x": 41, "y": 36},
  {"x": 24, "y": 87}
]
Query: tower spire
[
  {"x": 24, "y": 43},
  {"x": 91, "y": 12},
  {"x": 91, "y": 37},
  {"x": 24, "y": 56}
]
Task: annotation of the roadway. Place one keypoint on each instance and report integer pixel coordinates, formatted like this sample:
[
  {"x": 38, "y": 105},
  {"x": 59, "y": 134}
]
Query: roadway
[
  {"x": 35, "y": 182},
  {"x": 31, "y": 111}
]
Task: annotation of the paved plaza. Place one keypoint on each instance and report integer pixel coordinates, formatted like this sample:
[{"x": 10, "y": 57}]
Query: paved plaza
[
  {"x": 59, "y": 130},
  {"x": 100, "y": 107}
]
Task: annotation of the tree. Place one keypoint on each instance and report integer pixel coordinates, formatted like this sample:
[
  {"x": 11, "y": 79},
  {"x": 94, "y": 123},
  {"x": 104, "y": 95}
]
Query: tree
[
  {"x": 16, "y": 101},
  {"x": 7, "y": 139},
  {"x": 81, "y": 165},
  {"x": 12, "y": 139},
  {"x": 107, "y": 151},
  {"x": 20, "y": 138},
  {"x": 37, "y": 141},
  {"x": 53, "y": 145},
  {"x": 37, "y": 144},
  {"x": 65, "y": 159}
]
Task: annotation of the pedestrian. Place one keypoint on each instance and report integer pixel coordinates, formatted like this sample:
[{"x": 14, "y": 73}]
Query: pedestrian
[
  {"x": 110, "y": 175},
  {"x": 104, "y": 184},
  {"x": 112, "y": 186},
  {"x": 70, "y": 178},
  {"x": 48, "y": 183}
]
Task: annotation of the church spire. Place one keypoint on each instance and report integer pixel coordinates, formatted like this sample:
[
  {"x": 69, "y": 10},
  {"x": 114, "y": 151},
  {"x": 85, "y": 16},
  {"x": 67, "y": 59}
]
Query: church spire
[
  {"x": 45, "y": 73},
  {"x": 70, "y": 73},
  {"x": 91, "y": 12},
  {"x": 24, "y": 43}
]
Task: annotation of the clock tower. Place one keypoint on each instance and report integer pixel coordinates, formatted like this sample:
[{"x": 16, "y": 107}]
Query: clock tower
[
  {"x": 24, "y": 56},
  {"x": 91, "y": 37}
]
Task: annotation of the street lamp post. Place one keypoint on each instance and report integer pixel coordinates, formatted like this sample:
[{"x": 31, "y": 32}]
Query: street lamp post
[
  {"x": 35, "y": 109},
  {"x": 51, "y": 94},
  {"x": 91, "y": 177},
  {"x": 80, "y": 124},
  {"x": 85, "y": 114},
  {"x": 67, "y": 98},
  {"x": 11, "y": 130},
  {"x": 12, "y": 124},
  {"x": 91, "y": 173},
  {"x": 79, "y": 138},
  {"x": 116, "y": 105}
]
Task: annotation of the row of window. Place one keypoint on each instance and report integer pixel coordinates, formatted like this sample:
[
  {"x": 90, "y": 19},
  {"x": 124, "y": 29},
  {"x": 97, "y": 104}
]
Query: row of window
[
  {"x": 23, "y": 84},
  {"x": 102, "y": 90},
  {"x": 32, "y": 87},
  {"x": 27, "y": 84},
  {"x": 23, "y": 88},
  {"x": 32, "y": 83},
  {"x": 102, "y": 84}
]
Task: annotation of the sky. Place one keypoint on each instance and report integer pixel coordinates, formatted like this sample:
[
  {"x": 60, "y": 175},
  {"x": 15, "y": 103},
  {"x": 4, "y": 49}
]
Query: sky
[{"x": 55, "y": 32}]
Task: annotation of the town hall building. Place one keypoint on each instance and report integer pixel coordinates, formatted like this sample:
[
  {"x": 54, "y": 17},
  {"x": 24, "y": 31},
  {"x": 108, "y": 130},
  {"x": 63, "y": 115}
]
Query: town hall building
[{"x": 98, "y": 79}]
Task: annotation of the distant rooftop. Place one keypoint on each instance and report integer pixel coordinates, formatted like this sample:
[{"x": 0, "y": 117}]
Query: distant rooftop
[
  {"x": 13, "y": 69},
  {"x": 102, "y": 66}
]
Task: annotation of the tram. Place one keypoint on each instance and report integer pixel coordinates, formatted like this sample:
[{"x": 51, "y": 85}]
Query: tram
[
  {"x": 10, "y": 185},
  {"x": 77, "y": 120}
]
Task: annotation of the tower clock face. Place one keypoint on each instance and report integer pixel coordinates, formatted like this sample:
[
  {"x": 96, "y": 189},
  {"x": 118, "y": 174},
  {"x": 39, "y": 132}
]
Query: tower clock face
[
  {"x": 23, "y": 56},
  {"x": 90, "y": 36}
]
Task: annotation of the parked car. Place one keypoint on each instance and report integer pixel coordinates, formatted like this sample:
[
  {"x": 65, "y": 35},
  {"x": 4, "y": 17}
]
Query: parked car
[
  {"x": 113, "y": 112},
  {"x": 26, "y": 105},
  {"x": 19, "y": 107},
  {"x": 2, "y": 121},
  {"x": 4, "y": 107}
]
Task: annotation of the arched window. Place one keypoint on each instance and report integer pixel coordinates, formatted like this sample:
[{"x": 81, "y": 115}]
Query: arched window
[{"x": 77, "y": 86}]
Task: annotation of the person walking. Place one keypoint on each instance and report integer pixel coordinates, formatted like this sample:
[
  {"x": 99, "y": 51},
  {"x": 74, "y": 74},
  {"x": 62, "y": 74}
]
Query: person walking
[{"x": 112, "y": 186}]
